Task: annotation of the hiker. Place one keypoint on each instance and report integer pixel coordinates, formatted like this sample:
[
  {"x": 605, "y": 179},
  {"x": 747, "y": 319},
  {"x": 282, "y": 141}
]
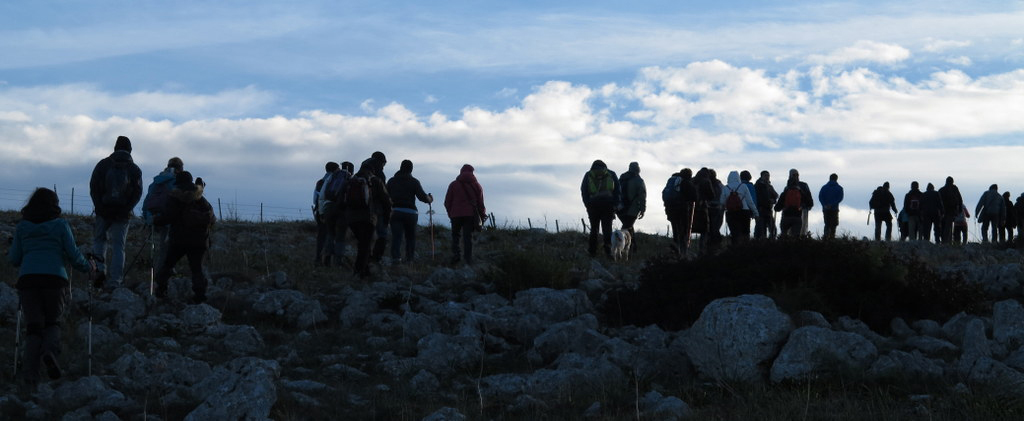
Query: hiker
[
  {"x": 680, "y": 197},
  {"x": 1010, "y": 222},
  {"x": 881, "y": 201},
  {"x": 464, "y": 203},
  {"x": 318, "y": 217},
  {"x": 991, "y": 210},
  {"x": 156, "y": 198},
  {"x": 191, "y": 218},
  {"x": 365, "y": 195},
  {"x": 115, "y": 188},
  {"x": 701, "y": 219},
  {"x": 600, "y": 190},
  {"x": 764, "y": 225},
  {"x": 830, "y": 196},
  {"x": 931, "y": 214},
  {"x": 791, "y": 203},
  {"x": 960, "y": 225},
  {"x": 808, "y": 200},
  {"x": 41, "y": 246},
  {"x": 739, "y": 206},
  {"x": 952, "y": 203},
  {"x": 903, "y": 223},
  {"x": 383, "y": 215},
  {"x": 633, "y": 200},
  {"x": 1018, "y": 209},
  {"x": 332, "y": 208},
  {"x": 716, "y": 213},
  {"x": 404, "y": 189},
  {"x": 912, "y": 211}
]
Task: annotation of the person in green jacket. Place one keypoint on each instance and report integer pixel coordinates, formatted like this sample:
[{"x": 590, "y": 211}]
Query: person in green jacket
[{"x": 41, "y": 246}]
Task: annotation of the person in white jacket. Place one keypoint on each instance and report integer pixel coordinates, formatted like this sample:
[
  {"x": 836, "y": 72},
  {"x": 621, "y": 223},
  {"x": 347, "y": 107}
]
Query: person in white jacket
[{"x": 739, "y": 208}]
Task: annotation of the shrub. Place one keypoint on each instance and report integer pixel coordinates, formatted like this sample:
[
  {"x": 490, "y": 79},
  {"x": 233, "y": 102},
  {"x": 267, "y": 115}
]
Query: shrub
[
  {"x": 841, "y": 277},
  {"x": 521, "y": 269}
]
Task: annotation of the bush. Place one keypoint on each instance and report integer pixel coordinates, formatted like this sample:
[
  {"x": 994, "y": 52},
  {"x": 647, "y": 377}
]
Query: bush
[
  {"x": 521, "y": 269},
  {"x": 842, "y": 277}
]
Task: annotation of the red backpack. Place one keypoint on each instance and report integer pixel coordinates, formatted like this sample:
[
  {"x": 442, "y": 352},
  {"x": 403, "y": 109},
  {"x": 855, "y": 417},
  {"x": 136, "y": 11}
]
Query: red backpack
[
  {"x": 793, "y": 199},
  {"x": 734, "y": 202}
]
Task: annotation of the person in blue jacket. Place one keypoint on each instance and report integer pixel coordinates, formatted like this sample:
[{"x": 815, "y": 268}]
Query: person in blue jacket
[
  {"x": 830, "y": 195},
  {"x": 154, "y": 202},
  {"x": 42, "y": 245}
]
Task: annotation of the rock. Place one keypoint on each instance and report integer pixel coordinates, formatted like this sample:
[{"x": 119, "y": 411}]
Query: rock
[
  {"x": 848, "y": 324},
  {"x": 1008, "y": 323},
  {"x": 358, "y": 306},
  {"x": 578, "y": 335},
  {"x": 598, "y": 271},
  {"x": 810, "y": 318},
  {"x": 593, "y": 411},
  {"x": 244, "y": 388},
  {"x": 553, "y": 306},
  {"x": 955, "y": 327},
  {"x": 417, "y": 325},
  {"x": 126, "y": 307},
  {"x": 101, "y": 335},
  {"x": 994, "y": 374},
  {"x": 447, "y": 278},
  {"x": 441, "y": 353},
  {"x": 900, "y": 329},
  {"x": 197, "y": 318},
  {"x": 294, "y": 307},
  {"x": 424, "y": 384},
  {"x": 8, "y": 303},
  {"x": 502, "y": 387},
  {"x": 527, "y": 404},
  {"x": 975, "y": 347},
  {"x": 162, "y": 370},
  {"x": 445, "y": 414},
  {"x": 658, "y": 407},
  {"x": 813, "y": 350},
  {"x": 574, "y": 374},
  {"x": 306, "y": 386},
  {"x": 90, "y": 391},
  {"x": 239, "y": 340},
  {"x": 932, "y": 346},
  {"x": 279, "y": 280},
  {"x": 907, "y": 366},
  {"x": 929, "y": 328},
  {"x": 736, "y": 338}
]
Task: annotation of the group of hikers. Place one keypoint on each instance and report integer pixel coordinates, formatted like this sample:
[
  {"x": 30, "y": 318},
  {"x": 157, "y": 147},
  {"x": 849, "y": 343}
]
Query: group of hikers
[
  {"x": 366, "y": 203},
  {"x": 700, "y": 204}
]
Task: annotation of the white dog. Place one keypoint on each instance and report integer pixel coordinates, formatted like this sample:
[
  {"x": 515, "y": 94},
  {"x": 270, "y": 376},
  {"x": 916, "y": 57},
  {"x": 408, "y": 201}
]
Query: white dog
[{"x": 620, "y": 245}]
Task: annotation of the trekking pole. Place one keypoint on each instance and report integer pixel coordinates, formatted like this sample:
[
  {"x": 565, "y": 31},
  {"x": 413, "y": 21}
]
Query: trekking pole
[
  {"x": 430, "y": 217},
  {"x": 17, "y": 340},
  {"x": 149, "y": 236},
  {"x": 869, "y": 216},
  {"x": 689, "y": 229}
]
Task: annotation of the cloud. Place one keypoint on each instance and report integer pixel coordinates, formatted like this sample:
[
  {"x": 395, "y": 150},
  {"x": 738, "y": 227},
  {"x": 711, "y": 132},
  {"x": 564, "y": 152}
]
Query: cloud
[
  {"x": 864, "y": 52},
  {"x": 941, "y": 45},
  {"x": 962, "y": 61}
]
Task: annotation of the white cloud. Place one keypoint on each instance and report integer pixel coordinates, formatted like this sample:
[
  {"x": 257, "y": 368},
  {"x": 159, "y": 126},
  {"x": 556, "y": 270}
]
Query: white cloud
[
  {"x": 864, "y": 52},
  {"x": 430, "y": 99},
  {"x": 962, "y": 61},
  {"x": 942, "y": 45}
]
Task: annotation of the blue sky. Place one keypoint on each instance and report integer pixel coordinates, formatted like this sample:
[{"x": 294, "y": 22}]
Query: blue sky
[{"x": 256, "y": 96}]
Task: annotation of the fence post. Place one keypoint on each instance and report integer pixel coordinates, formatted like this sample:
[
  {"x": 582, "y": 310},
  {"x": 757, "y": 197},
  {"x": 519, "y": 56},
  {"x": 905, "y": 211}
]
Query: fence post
[
  {"x": 219, "y": 210},
  {"x": 72, "y": 200},
  {"x": 529, "y": 223},
  {"x": 584, "y": 225},
  {"x": 556, "y": 227},
  {"x": 261, "y": 212}
]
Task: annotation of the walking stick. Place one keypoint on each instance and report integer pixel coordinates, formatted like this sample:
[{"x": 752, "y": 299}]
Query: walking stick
[
  {"x": 689, "y": 228},
  {"x": 17, "y": 341},
  {"x": 430, "y": 217},
  {"x": 869, "y": 216}
]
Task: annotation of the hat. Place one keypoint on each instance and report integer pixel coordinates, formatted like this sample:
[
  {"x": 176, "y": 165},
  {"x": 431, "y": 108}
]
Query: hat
[
  {"x": 183, "y": 179},
  {"x": 634, "y": 167},
  {"x": 175, "y": 163},
  {"x": 598, "y": 164},
  {"x": 123, "y": 144}
]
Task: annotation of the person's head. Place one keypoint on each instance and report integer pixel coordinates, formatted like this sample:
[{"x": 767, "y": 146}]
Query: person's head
[
  {"x": 367, "y": 167},
  {"x": 993, "y": 187},
  {"x": 745, "y": 176},
  {"x": 348, "y": 166},
  {"x": 765, "y": 175},
  {"x": 914, "y": 185},
  {"x": 406, "y": 166},
  {"x": 634, "y": 167},
  {"x": 1006, "y": 195},
  {"x": 466, "y": 169},
  {"x": 380, "y": 158},
  {"x": 42, "y": 205},
  {"x": 331, "y": 166},
  {"x": 949, "y": 180},
  {"x": 833, "y": 177},
  {"x": 712, "y": 174},
  {"x": 123, "y": 144},
  {"x": 885, "y": 185},
  {"x": 183, "y": 180},
  {"x": 176, "y": 164},
  {"x": 598, "y": 165},
  {"x": 931, "y": 187},
  {"x": 686, "y": 173},
  {"x": 794, "y": 174}
]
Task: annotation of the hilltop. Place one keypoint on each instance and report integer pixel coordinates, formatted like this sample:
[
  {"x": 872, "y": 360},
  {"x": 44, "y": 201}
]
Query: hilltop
[{"x": 538, "y": 330}]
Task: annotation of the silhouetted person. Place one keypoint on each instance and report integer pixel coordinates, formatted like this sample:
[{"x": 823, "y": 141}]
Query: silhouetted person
[{"x": 881, "y": 202}]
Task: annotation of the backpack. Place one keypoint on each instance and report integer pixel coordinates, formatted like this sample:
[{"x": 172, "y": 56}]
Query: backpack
[
  {"x": 913, "y": 203},
  {"x": 357, "y": 192},
  {"x": 334, "y": 185},
  {"x": 157, "y": 197},
  {"x": 793, "y": 199},
  {"x": 117, "y": 185},
  {"x": 197, "y": 214},
  {"x": 734, "y": 202},
  {"x": 601, "y": 187},
  {"x": 875, "y": 202},
  {"x": 671, "y": 194}
]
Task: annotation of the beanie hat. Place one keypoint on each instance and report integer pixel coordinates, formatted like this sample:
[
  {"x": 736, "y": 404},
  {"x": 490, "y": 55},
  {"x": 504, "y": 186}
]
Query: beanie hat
[
  {"x": 406, "y": 166},
  {"x": 598, "y": 164},
  {"x": 123, "y": 144},
  {"x": 634, "y": 167},
  {"x": 183, "y": 179},
  {"x": 380, "y": 157},
  {"x": 331, "y": 166},
  {"x": 176, "y": 163}
]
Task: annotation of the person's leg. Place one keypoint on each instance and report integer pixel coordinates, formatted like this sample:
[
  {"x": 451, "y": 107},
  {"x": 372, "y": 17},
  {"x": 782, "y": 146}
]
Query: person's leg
[
  {"x": 341, "y": 229},
  {"x": 595, "y": 225},
  {"x": 118, "y": 234},
  {"x": 888, "y": 230},
  {"x": 195, "y": 264},
  {"x": 759, "y": 226},
  {"x": 381, "y": 242},
  {"x": 160, "y": 237},
  {"x": 53, "y": 301},
  {"x": 467, "y": 239},
  {"x": 878, "y": 228},
  {"x": 174, "y": 253},
  {"x": 606, "y": 231},
  {"x": 330, "y": 231},
  {"x": 99, "y": 243},
  {"x": 410, "y": 236},
  {"x": 456, "y": 237},
  {"x": 397, "y": 234},
  {"x": 321, "y": 239},
  {"x": 364, "y": 233},
  {"x": 35, "y": 322}
]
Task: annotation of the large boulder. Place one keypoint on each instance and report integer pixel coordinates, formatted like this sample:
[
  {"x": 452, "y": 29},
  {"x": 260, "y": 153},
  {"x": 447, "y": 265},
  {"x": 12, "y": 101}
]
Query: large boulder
[
  {"x": 294, "y": 307},
  {"x": 813, "y": 350},
  {"x": 1008, "y": 323},
  {"x": 90, "y": 392},
  {"x": 737, "y": 338},
  {"x": 578, "y": 335},
  {"x": 906, "y": 365},
  {"x": 440, "y": 353},
  {"x": 242, "y": 389},
  {"x": 553, "y": 306}
]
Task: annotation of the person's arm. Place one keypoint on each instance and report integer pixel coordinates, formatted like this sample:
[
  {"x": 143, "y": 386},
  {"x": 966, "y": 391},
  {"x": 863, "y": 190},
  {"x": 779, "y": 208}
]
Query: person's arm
[
  {"x": 641, "y": 198},
  {"x": 421, "y": 195},
  {"x": 71, "y": 251}
]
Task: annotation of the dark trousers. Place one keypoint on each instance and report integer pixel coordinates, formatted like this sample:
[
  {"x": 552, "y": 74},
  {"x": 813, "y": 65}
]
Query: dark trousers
[
  {"x": 716, "y": 218},
  {"x": 381, "y": 242},
  {"x": 878, "y": 228},
  {"x": 930, "y": 224},
  {"x": 336, "y": 227},
  {"x": 195, "y": 264},
  {"x": 462, "y": 228},
  {"x": 321, "y": 238},
  {"x": 600, "y": 218},
  {"x": 995, "y": 221},
  {"x": 764, "y": 224},
  {"x": 960, "y": 234},
  {"x": 403, "y": 227},
  {"x": 627, "y": 225},
  {"x": 789, "y": 226},
  {"x": 947, "y": 226},
  {"x": 831, "y": 217},
  {"x": 42, "y": 309},
  {"x": 739, "y": 225},
  {"x": 682, "y": 227},
  {"x": 363, "y": 231}
]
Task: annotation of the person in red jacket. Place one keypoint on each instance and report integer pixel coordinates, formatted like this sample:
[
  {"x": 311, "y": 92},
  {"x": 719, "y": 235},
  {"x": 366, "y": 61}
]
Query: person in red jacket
[{"x": 464, "y": 203}]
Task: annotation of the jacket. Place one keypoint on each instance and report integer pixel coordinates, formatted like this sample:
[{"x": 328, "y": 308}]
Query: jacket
[
  {"x": 380, "y": 202},
  {"x": 183, "y": 207},
  {"x": 951, "y": 198},
  {"x": 44, "y": 248},
  {"x": 404, "y": 189},
  {"x": 634, "y": 194},
  {"x": 931, "y": 204},
  {"x": 766, "y": 195},
  {"x": 881, "y": 201},
  {"x": 990, "y": 204},
  {"x": 97, "y": 186},
  {"x": 463, "y": 194},
  {"x": 830, "y": 195},
  {"x": 909, "y": 207},
  {"x": 741, "y": 190},
  {"x": 806, "y": 201},
  {"x": 600, "y": 198},
  {"x": 166, "y": 179}
]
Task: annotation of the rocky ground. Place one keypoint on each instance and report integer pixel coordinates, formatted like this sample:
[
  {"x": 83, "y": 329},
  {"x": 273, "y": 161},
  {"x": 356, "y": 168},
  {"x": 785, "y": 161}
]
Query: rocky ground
[{"x": 282, "y": 339}]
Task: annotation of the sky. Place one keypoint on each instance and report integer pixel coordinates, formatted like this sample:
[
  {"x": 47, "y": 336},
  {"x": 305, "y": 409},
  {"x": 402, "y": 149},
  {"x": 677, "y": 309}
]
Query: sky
[{"x": 256, "y": 97}]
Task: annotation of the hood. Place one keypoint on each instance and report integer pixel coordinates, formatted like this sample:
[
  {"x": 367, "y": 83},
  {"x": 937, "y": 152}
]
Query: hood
[
  {"x": 122, "y": 156},
  {"x": 187, "y": 195},
  {"x": 40, "y": 215},
  {"x": 466, "y": 174},
  {"x": 165, "y": 176},
  {"x": 52, "y": 227},
  {"x": 734, "y": 179}
]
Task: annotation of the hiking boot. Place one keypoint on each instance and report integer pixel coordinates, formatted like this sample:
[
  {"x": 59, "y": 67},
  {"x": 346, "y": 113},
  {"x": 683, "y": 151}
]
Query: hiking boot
[{"x": 52, "y": 368}]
